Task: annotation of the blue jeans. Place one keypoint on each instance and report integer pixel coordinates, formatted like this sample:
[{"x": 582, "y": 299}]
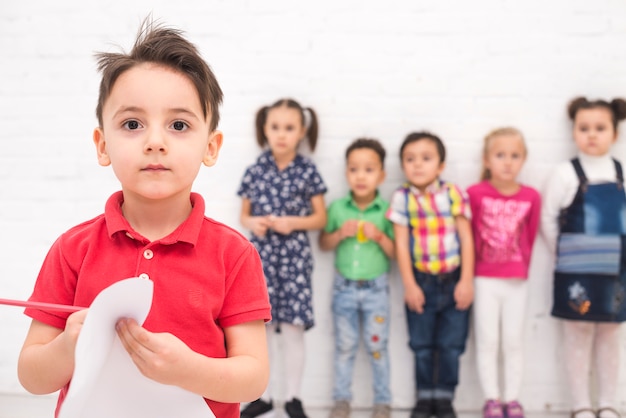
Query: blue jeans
[
  {"x": 437, "y": 336},
  {"x": 361, "y": 305}
]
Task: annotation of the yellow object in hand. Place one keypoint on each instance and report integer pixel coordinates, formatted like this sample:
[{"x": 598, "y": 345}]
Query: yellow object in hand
[{"x": 360, "y": 234}]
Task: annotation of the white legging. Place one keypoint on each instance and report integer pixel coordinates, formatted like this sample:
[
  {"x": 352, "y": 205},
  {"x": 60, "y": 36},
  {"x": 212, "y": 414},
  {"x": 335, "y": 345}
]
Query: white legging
[
  {"x": 499, "y": 314},
  {"x": 583, "y": 340},
  {"x": 292, "y": 351}
]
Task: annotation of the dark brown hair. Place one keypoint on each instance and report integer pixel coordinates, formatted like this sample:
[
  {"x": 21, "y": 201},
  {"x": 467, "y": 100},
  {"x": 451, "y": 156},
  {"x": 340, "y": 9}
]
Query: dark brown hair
[
  {"x": 167, "y": 47},
  {"x": 423, "y": 135},
  {"x": 368, "y": 143},
  {"x": 617, "y": 107},
  {"x": 261, "y": 118}
]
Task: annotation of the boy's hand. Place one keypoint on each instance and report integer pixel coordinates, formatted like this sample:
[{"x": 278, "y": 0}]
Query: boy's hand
[
  {"x": 414, "y": 298},
  {"x": 158, "y": 356},
  {"x": 464, "y": 294},
  {"x": 349, "y": 229},
  {"x": 371, "y": 232},
  {"x": 259, "y": 225},
  {"x": 73, "y": 325}
]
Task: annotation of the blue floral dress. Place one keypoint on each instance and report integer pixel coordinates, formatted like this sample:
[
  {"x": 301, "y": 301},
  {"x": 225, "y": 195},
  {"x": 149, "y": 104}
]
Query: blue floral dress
[{"x": 287, "y": 259}]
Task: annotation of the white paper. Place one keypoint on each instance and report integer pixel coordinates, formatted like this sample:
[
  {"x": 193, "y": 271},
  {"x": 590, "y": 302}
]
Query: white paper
[{"x": 106, "y": 383}]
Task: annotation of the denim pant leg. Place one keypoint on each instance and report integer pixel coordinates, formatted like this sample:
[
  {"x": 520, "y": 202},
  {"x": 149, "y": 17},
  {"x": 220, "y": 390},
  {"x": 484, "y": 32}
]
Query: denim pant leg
[
  {"x": 375, "y": 313},
  {"x": 346, "y": 326},
  {"x": 422, "y": 329},
  {"x": 452, "y": 329}
]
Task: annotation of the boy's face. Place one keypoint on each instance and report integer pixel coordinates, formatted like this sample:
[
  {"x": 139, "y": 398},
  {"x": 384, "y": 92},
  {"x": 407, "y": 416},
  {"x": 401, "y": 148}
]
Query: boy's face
[
  {"x": 421, "y": 163},
  {"x": 154, "y": 133},
  {"x": 364, "y": 172}
]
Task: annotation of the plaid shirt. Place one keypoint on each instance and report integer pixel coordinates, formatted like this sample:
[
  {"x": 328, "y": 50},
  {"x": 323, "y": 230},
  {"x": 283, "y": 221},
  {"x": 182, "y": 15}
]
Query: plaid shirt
[{"x": 430, "y": 216}]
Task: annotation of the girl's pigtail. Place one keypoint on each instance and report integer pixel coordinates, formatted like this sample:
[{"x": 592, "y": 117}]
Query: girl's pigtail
[
  {"x": 261, "y": 117},
  {"x": 312, "y": 130},
  {"x": 618, "y": 105},
  {"x": 575, "y": 105}
]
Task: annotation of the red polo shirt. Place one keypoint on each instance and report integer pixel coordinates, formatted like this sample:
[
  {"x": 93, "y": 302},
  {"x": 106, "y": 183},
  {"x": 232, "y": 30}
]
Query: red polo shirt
[{"x": 206, "y": 277}]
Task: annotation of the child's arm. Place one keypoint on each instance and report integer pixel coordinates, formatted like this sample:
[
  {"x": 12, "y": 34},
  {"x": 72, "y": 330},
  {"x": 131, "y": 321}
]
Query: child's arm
[
  {"x": 258, "y": 225},
  {"x": 287, "y": 224},
  {"x": 240, "y": 377},
  {"x": 413, "y": 295},
  {"x": 464, "y": 290},
  {"x": 330, "y": 240},
  {"x": 46, "y": 362}
]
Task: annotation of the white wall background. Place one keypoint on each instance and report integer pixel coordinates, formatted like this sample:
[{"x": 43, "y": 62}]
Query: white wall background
[{"x": 379, "y": 69}]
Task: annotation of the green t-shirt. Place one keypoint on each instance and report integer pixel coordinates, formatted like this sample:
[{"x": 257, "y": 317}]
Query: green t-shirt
[{"x": 353, "y": 259}]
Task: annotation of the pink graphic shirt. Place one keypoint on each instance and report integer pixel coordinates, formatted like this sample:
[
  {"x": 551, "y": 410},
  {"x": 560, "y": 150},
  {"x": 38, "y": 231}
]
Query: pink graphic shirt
[{"x": 504, "y": 229}]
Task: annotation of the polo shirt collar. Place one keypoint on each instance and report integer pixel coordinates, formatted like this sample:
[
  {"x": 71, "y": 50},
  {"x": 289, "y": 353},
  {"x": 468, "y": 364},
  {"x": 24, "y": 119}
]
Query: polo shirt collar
[
  {"x": 377, "y": 202},
  {"x": 188, "y": 231},
  {"x": 432, "y": 188}
]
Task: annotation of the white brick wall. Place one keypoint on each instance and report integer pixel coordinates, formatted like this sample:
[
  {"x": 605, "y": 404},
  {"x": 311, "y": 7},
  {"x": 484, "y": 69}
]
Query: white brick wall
[{"x": 379, "y": 69}]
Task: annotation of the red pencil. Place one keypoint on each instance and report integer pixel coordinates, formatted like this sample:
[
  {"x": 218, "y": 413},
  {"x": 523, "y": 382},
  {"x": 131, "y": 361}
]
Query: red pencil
[{"x": 55, "y": 307}]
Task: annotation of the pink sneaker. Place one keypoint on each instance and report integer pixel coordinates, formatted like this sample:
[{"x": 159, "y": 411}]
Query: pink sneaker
[
  {"x": 493, "y": 409},
  {"x": 514, "y": 410}
]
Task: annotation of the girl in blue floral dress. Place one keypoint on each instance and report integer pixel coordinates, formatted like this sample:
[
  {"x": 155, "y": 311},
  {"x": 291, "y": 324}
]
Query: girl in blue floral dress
[{"x": 282, "y": 198}]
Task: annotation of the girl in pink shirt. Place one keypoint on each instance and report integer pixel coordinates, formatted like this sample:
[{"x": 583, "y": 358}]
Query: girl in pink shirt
[{"x": 505, "y": 221}]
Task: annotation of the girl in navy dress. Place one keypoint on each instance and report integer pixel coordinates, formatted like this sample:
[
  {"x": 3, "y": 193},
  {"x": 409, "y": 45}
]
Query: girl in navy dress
[
  {"x": 282, "y": 198},
  {"x": 584, "y": 222}
]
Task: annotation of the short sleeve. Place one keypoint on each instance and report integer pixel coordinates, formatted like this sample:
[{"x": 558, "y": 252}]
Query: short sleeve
[
  {"x": 331, "y": 218},
  {"x": 397, "y": 212},
  {"x": 459, "y": 202},
  {"x": 315, "y": 183},
  {"x": 245, "y": 185}
]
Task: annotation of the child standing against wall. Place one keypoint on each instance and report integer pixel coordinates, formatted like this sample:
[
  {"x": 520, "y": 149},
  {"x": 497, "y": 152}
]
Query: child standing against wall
[
  {"x": 435, "y": 255},
  {"x": 584, "y": 222},
  {"x": 363, "y": 240},
  {"x": 158, "y": 112},
  {"x": 282, "y": 198},
  {"x": 505, "y": 219}
]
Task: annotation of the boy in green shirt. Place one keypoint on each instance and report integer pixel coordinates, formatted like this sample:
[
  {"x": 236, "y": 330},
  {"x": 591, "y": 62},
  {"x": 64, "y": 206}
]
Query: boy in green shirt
[{"x": 363, "y": 242}]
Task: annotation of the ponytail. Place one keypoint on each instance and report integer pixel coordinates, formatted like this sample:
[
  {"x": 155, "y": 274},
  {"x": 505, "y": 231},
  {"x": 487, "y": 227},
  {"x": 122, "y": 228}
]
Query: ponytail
[
  {"x": 311, "y": 132},
  {"x": 261, "y": 117},
  {"x": 617, "y": 107}
]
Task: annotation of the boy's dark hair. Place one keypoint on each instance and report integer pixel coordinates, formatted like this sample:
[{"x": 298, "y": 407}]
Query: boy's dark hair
[
  {"x": 617, "y": 107},
  {"x": 261, "y": 118},
  {"x": 166, "y": 47},
  {"x": 423, "y": 135},
  {"x": 368, "y": 143}
]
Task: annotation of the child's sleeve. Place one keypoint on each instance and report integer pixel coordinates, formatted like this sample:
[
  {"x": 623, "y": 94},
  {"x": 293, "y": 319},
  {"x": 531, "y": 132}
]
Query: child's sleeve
[
  {"x": 459, "y": 202},
  {"x": 245, "y": 185},
  {"x": 314, "y": 181},
  {"x": 331, "y": 219},
  {"x": 397, "y": 212}
]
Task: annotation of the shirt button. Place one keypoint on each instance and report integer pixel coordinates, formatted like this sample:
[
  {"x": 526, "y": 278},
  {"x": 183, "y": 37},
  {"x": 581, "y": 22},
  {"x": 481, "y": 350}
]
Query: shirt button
[
  {"x": 144, "y": 276},
  {"x": 148, "y": 254}
]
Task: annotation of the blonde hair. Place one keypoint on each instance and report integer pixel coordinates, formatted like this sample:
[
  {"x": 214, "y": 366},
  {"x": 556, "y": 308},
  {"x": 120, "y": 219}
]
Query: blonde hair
[{"x": 508, "y": 130}]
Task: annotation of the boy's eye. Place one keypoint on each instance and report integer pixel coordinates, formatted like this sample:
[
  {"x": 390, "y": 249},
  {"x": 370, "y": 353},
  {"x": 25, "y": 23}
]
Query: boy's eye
[
  {"x": 179, "y": 125},
  {"x": 132, "y": 125}
]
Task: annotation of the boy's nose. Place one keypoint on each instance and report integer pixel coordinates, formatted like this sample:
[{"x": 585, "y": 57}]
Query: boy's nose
[{"x": 155, "y": 142}]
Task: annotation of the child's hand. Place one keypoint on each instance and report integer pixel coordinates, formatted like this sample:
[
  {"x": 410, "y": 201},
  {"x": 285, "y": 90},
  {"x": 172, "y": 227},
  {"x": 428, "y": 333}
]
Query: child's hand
[
  {"x": 281, "y": 224},
  {"x": 158, "y": 356},
  {"x": 371, "y": 231},
  {"x": 464, "y": 294},
  {"x": 349, "y": 229},
  {"x": 259, "y": 225},
  {"x": 73, "y": 325},
  {"x": 414, "y": 298}
]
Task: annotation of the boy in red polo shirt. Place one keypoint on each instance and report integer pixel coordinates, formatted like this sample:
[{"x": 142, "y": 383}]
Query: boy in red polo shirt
[{"x": 158, "y": 113}]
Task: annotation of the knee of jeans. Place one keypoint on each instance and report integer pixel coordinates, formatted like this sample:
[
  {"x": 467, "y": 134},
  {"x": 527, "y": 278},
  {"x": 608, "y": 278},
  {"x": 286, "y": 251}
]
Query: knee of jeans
[{"x": 346, "y": 344}]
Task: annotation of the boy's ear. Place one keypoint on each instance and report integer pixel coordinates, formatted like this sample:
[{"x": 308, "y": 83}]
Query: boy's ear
[
  {"x": 101, "y": 150},
  {"x": 382, "y": 177},
  {"x": 442, "y": 166},
  {"x": 213, "y": 148}
]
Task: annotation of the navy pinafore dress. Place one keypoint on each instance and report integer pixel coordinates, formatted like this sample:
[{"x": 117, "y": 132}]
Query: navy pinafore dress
[{"x": 590, "y": 273}]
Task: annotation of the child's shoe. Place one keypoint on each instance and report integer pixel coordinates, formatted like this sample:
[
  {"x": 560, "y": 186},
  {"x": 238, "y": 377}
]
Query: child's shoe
[
  {"x": 444, "y": 408},
  {"x": 424, "y": 408},
  {"x": 294, "y": 409},
  {"x": 513, "y": 410},
  {"x": 493, "y": 409},
  {"x": 258, "y": 409},
  {"x": 341, "y": 409},
  {"x": 381, "y": 411}
]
